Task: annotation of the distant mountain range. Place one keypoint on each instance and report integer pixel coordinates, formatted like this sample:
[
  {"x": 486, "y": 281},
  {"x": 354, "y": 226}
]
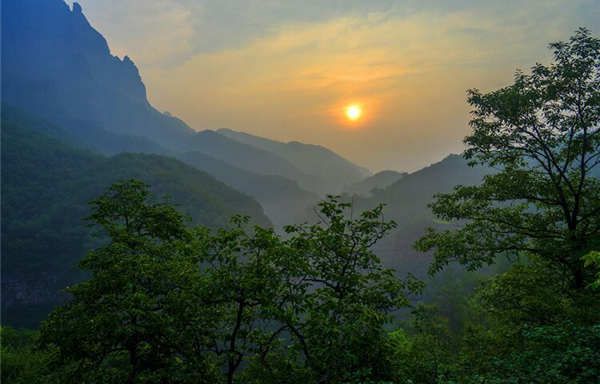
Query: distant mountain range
[
  {"x": 330, "y": 172},
  {"x": 56, "y": 66},
  {"x": 406, "y": 202},
  {"x": 46, "y": 186},
  {"x": 75, "y": 119},
  {"x": 379, "y": 180},
  {"x": 282, "y": 199}
]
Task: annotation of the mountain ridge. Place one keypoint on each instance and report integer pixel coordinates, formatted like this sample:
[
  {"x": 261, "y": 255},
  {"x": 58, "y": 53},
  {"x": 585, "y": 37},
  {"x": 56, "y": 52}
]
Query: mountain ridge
[
  {"x": 379, "y": 180},
  {"x": 46, "y": 186},
  {"x": 332, "y": 171},
  {"x": 95, "y": 95}
]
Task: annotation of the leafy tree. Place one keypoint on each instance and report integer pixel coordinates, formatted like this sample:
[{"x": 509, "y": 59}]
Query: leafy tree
[
  {"x": 347, "y": 295},
  {"x": 22, "y": 362},
  {"x": 243, "y": 283},
  {"x": 538, "y": 321},
  {"x": 424, "y": 351},
  {"x": 542, "y": 133},
  {"x": 527, "y": 326},
  {"x": 593, "y": 259},
  {"x": 136, "y": 319},
  {"x": 311, "y": 308},
  {"x": 169, "y": 304}
]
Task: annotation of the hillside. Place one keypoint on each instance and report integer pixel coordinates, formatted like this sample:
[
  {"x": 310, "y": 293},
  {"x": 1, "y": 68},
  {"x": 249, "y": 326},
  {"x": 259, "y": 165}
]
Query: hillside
[
  {"x": 332, "y": 171},
  {"x": 99, "y": 98},
  {"x": 380, "y": 180},
  {"x": 406, "y": 203},
  {"x": 283, "y": 200},
  {"x": 244, "y": 156},
  {"x": 46, "y": 186}
]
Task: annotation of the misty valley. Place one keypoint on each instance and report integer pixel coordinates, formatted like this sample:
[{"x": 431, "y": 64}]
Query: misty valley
[{"x": 139, "y": 249}]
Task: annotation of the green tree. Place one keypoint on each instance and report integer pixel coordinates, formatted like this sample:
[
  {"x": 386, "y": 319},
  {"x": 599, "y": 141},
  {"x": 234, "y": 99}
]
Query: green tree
[
  {"x": 528, "y": 326},
  {"x": 243, "y": 282},
  {"x": 593, "y": 259},
  {"x": 168, "y": 304},
  {"x": 538, "y": 321},
  {"x": 425, "y": 352},
  {"x": 543, "y": 133},
  {"x": 137, "y": 318},
  {"x": 21, "y": 361},
  {"x": 347, "y": 295}
]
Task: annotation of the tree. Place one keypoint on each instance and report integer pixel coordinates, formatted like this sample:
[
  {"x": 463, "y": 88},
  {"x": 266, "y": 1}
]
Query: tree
[
  {"x": 542, "y": 134},
  {"x": 593, "y": 259},
  {"x": 311, "y": 308},
  {"x": 424, "y": 350},
  {"x": 243, "y": 283},
  {"x": 169, "y": 304},
  {"x": 528, "y": 326},
  {"x": 346, "y": 295},
  {"x": 137, "y": 318},
  {"x": 22, "y": 362}
]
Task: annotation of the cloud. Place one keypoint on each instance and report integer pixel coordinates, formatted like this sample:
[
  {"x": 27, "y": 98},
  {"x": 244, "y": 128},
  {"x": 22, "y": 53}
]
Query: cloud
[{"x": 286, "y": 69}]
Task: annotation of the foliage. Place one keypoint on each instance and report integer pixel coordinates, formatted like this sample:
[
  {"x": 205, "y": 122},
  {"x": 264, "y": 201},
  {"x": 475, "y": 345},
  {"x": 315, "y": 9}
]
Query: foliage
[
  {"x": 524, "y": 325},
  {"x": 136, "y": 319},
  {"x": 348, "y": 294},
  {"x": 424, "y": 351},
  {"x": 538, "y": 321},
  {"x": 166, "y": 303},
  {"x": 543, "y": 134},
  {"x": 531, "y": 327},
  {"x": 46, "y": 184},
  {"x": 22, "y": 363},
  {"x": 593, "y": 259}
]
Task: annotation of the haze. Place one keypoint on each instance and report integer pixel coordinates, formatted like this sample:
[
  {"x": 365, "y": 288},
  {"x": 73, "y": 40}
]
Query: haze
[{"x": 286, "y": 70}]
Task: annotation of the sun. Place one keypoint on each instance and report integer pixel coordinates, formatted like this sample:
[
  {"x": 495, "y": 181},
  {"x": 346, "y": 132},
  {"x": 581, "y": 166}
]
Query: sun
[{"x": 353, "y": 112}]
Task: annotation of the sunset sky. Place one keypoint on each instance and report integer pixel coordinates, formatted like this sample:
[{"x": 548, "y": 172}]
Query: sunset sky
[{"x": 288, "y": 70}]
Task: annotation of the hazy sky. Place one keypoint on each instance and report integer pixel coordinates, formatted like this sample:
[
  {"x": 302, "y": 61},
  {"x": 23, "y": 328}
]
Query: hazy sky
[{"x": 286, "y": 69}]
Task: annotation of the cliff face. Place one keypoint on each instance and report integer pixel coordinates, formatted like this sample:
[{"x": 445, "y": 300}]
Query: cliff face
[{"x": 54, "y": 63}]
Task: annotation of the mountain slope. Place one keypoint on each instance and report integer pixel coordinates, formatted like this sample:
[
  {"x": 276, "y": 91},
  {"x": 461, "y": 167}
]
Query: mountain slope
[
  {"x": 379, "y": 180},
  {"x": 283, "y": 200},
  {"x": 331, "y": 170},
  {"x": 46, "y": 185},
  {"x": 243, "y": 156},
  {"x": 406, "y": 203},
  {"x": 57, "y": 66}
]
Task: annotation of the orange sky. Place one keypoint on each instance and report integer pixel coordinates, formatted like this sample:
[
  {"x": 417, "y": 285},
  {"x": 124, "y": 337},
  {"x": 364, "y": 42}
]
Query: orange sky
[{"x": 287, "y": 73}]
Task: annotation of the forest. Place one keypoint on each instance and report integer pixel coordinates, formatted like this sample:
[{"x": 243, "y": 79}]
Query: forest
[
  {"x": 128, "y": 262},
  {"x": 167, "y": 302}
]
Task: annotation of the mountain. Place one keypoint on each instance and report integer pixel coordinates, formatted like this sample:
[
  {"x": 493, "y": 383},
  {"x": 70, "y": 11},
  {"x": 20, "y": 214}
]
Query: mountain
[
  {"x": 406, "y": 203},
  {"x": 56, "y": 65},
  {"x": 283, "y": 200},
  {"x": 380, "y": 180},
  {"x": 331, "y": 171},
  {"x": 244, "y": 156},
  {"x": 46, "y": 186}
]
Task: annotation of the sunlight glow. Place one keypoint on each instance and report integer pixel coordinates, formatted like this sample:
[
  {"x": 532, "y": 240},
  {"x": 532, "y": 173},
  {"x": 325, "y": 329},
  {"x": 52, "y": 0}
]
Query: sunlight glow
[{"x": 353, "y": 112}]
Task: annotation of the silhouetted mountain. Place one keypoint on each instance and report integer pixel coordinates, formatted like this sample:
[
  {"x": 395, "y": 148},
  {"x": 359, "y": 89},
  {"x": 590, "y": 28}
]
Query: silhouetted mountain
[
  {"x": 406, "y": 203},
  {"x": 57, "y": 66},
  {"x": 283, "y": 200},
  {"x": 244, "y": 156},
  {"x": 379, "y": 180},
  {"x": 331, "y": 172},
  {"x": 46, "y": 185}
]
